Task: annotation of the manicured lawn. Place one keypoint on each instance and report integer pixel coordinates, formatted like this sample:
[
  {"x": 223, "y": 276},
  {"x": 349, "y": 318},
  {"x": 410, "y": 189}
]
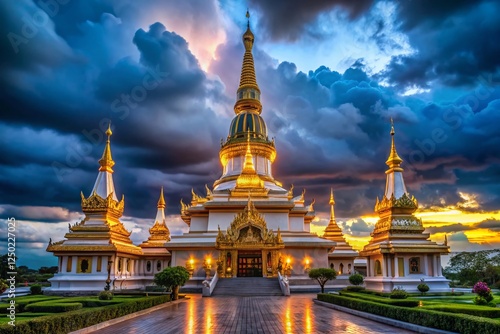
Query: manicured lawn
[
  {"x": 86, "y": 301},
  {"x": 54, "y": 315}
]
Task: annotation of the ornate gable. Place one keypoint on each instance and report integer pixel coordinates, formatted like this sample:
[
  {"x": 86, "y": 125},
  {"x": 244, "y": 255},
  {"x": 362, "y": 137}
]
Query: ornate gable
[{"x": 248, "y": 230}]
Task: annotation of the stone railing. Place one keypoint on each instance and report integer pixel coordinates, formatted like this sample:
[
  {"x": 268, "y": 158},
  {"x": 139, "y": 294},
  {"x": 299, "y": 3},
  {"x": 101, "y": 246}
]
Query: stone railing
[
  {"x": 284, "y": 284},
  {"x": 209, "y": 285}
]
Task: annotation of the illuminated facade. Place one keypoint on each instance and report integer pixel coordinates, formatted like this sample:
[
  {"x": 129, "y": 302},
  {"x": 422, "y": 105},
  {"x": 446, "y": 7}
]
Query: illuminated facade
[
  {"x": 399, "y": 254},
  {"x": 98, "y": 249},
  {"x": 248, "y": 223}
]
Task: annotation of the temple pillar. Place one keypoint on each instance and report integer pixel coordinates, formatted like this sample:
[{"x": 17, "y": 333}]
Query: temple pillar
[
  {"x": 426, "y": 265},
  {"x": 396, "y": 266}
]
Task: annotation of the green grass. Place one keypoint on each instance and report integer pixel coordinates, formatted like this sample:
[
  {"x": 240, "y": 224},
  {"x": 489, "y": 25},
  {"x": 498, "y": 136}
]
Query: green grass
[{"x": 86, "y": 301}]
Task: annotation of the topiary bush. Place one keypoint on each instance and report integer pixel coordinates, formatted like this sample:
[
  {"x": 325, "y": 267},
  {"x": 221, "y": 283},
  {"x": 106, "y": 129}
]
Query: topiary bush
[
  {"x": 36, "y": 289},
  {"x": 53, "y": 307},
  {"x": 398, "y": 293},
  {"x": 459, "y": 323},
  {"x": 356, "y": 279},
  {"x": 105, "y": 295},
  {"x": 354, "y": 288},
  {"x": 423, "y": 288},
  {"x": 172, "y": 278}
]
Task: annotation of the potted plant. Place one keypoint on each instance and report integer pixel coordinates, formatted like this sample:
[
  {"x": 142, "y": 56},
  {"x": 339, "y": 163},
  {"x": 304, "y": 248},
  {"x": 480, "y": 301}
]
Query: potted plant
[{"x": 172, "y": 278}]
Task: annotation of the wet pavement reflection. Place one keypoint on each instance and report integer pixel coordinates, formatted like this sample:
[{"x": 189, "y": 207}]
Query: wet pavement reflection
[{"x": 215, "y": 315}]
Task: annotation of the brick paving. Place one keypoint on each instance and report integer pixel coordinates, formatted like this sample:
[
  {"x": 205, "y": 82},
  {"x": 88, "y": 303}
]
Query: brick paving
[{"x": 223, "y": 314}]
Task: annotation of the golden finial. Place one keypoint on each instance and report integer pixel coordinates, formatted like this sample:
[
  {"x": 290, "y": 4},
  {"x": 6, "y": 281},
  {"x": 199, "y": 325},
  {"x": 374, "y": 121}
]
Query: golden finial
[
  {"x": 161, "y": 201},
  {"x": 248, "y": 18},
  {"x": 394, "y": 159},
  {"x": 106, "y": 160},
  {"x": 445, "y": 240},
  {"x": 332, "y": 199}
]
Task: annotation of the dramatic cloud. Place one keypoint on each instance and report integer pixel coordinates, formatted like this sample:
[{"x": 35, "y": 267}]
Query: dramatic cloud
[
  {"x": 166, "y": 75},
  {"x": 299, "y": 14},
  {"x": 454, "y": 43}
]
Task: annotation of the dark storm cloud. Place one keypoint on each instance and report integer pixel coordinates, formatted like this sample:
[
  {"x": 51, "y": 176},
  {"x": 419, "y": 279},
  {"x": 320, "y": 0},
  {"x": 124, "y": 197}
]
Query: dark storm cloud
[
  {"x": 331, "y": 128},
  {"x": 58, "y": 107},
  {"x": 288, "y": 20},
  {"x": 454, "y": 41}
]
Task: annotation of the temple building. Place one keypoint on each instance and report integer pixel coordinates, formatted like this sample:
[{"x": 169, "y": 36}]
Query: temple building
[
  {"x": 399, "y": 254},
  {"x": 98, "y": 248},
  {"x": 341, "y": 258},
  {"x": 246, "y": 225}
]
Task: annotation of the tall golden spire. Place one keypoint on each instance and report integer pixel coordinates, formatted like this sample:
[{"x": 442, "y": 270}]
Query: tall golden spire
[
  {"x": 393, "y": 161},
  {"x": 106, "y": 161},
  {"x": 248, "y": 167},
  {"x": 332, "y": 205},
  {"x": 248, "y": 180},
  {"x": 161, "y": 201},
  {"x": 332, "y": 230},
  {"x": 248, "y": 94}
]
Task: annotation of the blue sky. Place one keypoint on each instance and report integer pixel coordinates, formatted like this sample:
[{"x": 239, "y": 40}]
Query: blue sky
[{"x": 332, "y": 74}]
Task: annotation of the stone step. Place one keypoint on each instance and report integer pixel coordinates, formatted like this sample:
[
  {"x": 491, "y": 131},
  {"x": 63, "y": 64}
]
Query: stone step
[{"x": 247, "y": 286}]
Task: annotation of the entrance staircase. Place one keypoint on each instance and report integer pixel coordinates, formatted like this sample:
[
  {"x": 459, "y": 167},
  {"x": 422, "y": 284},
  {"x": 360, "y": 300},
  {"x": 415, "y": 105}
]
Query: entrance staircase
[{"x": 247, "y": 286}]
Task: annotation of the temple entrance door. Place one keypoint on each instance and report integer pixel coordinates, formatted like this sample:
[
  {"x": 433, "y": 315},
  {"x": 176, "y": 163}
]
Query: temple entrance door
[{"x": 249, "y": 264}]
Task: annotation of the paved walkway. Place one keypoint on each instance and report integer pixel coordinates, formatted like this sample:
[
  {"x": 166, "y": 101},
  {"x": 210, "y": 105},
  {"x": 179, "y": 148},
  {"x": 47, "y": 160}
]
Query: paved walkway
[{"x": 217, "y": 315}]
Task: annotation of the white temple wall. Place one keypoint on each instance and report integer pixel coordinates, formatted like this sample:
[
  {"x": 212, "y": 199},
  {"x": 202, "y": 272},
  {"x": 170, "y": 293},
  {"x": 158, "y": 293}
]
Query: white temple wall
[
  {"x": 276, "y": 219},
  {"x": 222, "y": 219},
  {"x": 296, "y": 223},
  {"x": 199, "y": 224}
]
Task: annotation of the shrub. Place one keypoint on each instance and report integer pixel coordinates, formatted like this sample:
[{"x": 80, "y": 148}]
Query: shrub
[
  {"x": 355, "y": 288},
  {"x": 52, "y": 307},
  {"x": 484, "y": 295},
  {"x": 382, "y": 300},
  {"x": 398, "y": 293},
  {"x": 36, "y": 289},
  {"x": 172, "y": 278},
  {"x": 74, "y": 320},
  {"x": 322, "y": 275},
  {"x": 479, "y": 311},
  {"x": 105, "y": 295},
  {"x": 460, "y": 323},
  {"x": 356, "y": 279},
  {"x": 422, "y": 287}
]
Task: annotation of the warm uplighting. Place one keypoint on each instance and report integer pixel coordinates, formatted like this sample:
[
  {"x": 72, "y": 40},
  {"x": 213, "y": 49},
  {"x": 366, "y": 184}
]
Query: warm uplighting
[
  {"x": 190, "y": 266},
  {"x": 207, "y": 265},
  {"x": 288, "y": 260},
  {"x": 308, "y": 265}
]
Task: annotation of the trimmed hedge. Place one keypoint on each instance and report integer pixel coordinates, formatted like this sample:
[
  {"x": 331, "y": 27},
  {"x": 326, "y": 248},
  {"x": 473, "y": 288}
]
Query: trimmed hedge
[
  {"x": 479, "y": 311},
  {"x": 74, "y": 320},
  {"x": 355, "y": 288},
  {"x": 383, "y": 300},
  {"x": 54, "y": 307},
  {"x": 460, "y": 323}
]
